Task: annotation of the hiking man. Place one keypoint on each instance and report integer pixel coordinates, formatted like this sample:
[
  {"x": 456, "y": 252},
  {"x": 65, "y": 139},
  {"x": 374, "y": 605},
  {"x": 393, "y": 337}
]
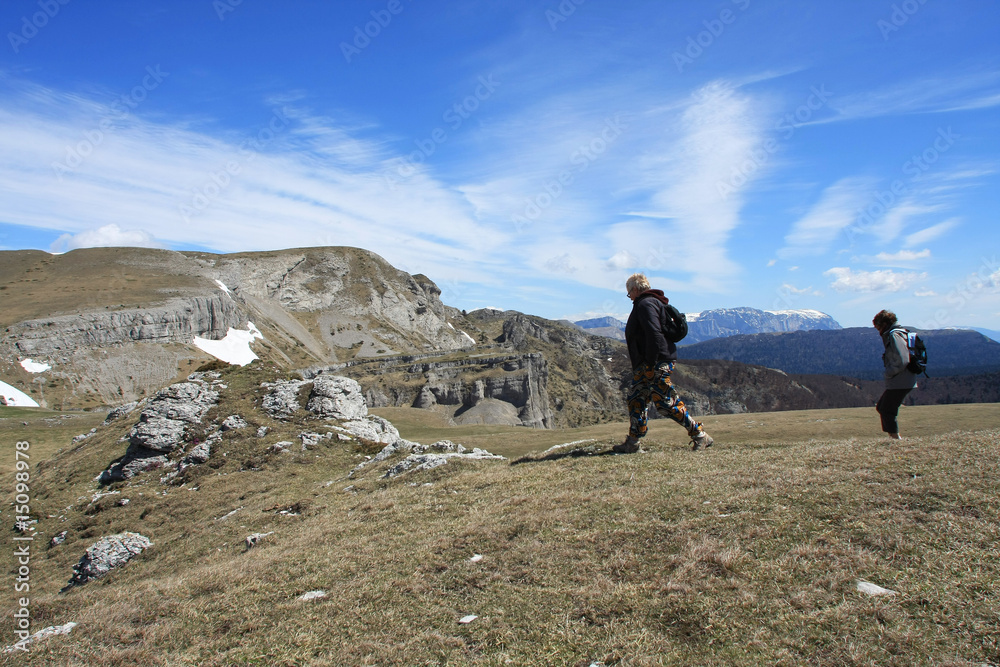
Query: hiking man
[
  {"x": 652, "y": 356},
  {"x": 899, "y": 381}
]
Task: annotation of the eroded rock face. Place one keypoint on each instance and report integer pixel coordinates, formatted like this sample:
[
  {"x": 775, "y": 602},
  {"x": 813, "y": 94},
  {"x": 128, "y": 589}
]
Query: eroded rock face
[
  {"x": 177, "y": 321},
  {"x": 106, "y": 554}
]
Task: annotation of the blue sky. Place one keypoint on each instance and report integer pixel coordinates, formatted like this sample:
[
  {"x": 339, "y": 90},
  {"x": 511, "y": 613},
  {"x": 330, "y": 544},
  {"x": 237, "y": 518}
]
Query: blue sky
[{"x": 837, "y": 156}]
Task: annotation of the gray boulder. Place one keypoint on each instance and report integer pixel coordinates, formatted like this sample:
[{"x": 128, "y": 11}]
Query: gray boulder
[
  {"x": 120, "y": 411},
  {"x": 373, "y": 429},
  {"x": 336, "y": 397},
  {"x": 106, "y": 554},
  {"x": 282, "y": 399},
  {"x": 162, "y": 423},
  {"x": 136, "y": 460},
  {"x": 233, "y": 422}
]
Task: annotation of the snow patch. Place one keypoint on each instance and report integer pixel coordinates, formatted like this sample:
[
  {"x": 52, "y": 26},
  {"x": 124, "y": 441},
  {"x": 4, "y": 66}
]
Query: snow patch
[
  {"x": 234, "y": 348},
  {"x": 16, "y": 397},
  {"x": 34, "y": 366},
  {"x": 223, "y": 287}
]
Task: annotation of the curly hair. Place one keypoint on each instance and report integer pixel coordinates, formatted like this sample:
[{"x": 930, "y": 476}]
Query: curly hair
[{"x": 884, "y": 319}]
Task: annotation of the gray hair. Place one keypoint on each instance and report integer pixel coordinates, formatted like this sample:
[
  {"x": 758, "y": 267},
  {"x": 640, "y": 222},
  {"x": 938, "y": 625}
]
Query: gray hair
[{"x": 637, "y": 281}]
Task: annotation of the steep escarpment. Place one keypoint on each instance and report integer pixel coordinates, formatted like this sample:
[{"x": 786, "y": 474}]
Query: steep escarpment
[{"x": 178, "y": 320}]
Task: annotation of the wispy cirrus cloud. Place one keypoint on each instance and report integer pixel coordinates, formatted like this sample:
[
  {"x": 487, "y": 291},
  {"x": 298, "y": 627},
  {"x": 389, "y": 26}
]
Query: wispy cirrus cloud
[
  {"x": 845, "y": 279},
  {"x": 933, "y": 94},
  {"x": 929, "y": 234},
  {"x": 835, "y": 211},
  {"x": 293, "y": 180}
]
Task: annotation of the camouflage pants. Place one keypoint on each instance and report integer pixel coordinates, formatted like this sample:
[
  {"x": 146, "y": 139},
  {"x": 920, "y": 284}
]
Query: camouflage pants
[{"x": 652, "y": 384}]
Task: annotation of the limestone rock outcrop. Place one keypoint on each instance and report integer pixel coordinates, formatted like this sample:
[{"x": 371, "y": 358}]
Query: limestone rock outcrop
[
  {"x": 178, "y": 320},
  {"x": 163, "y": 425},
  {"x": 107, "y": 554}
]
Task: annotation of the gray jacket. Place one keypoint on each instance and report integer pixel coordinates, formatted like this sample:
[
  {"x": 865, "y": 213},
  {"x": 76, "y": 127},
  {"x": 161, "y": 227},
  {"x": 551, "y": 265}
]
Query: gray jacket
[{"x": 895, "y": 358}]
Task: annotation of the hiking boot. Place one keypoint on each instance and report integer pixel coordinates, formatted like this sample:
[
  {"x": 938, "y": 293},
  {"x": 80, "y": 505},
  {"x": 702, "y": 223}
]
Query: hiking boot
[
  {"x": 700, "y": 441},
  {"x": 630, "y": 446}
]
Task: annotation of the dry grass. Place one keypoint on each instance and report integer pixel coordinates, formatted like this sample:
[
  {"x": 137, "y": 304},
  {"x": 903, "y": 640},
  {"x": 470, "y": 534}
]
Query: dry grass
[{"x": 746, "y": 554}]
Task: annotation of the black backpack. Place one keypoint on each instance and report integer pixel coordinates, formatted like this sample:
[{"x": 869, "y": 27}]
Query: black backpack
[{"x": 675, "y": 325}]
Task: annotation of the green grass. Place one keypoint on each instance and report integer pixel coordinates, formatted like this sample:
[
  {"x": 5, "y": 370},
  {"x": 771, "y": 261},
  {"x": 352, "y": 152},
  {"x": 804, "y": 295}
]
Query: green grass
[
  {"x": 746, "y": 554},
  {"x": 47, "y": 430}
]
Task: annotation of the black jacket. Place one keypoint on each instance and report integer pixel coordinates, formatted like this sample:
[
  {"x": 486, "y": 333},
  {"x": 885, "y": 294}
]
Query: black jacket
[{"x": 644, "y": 330}]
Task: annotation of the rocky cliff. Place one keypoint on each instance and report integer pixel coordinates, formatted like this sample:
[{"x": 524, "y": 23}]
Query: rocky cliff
[
  {"x": 116, "y": 324},
  {"x": 479, "y": 389}
]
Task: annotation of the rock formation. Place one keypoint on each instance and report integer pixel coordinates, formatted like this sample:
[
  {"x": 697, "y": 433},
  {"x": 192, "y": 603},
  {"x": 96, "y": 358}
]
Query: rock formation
[{"x": 107, "y": 554}]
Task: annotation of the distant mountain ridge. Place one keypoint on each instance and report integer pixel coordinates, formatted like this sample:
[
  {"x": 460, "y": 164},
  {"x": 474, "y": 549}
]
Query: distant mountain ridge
[
  {"x": 722, "y": 322},
  {"x": 111, "y": 326},
  {"x": 853, "y": 352},
  {"x": 609, "y": 327}
]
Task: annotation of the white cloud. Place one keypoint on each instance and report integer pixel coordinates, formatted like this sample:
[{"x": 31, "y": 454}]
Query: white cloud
[
  {"x": 931, "y": 233},
  {"x": 903, "y": 256},
  {"x": 895, "y": 221},
  {"x": 105, "y": 237},
  {"x": 834, "y": 212},
  {"x": 847, "y": 280},
  {"x": 927, "y": 95},
  {"x": 788, "y": 287},
  {"x": 306, "y": 183},
  {"x": 622, "y": 260}
]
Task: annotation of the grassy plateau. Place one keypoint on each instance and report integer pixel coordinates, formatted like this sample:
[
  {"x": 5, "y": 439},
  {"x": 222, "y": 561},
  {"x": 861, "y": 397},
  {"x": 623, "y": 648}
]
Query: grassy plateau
[{"x": 748, "y": 553}]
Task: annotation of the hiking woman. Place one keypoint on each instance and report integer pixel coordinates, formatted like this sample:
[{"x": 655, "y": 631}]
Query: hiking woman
[{"x": 899, "y": 381}]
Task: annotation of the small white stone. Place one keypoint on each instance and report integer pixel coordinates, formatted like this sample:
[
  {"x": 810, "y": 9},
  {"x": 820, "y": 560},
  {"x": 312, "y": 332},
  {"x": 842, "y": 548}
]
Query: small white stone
[
  {"x": 312, "y": 595},
  {"x": 873, "y": 589},
  {"x": 467, "y": 619}
]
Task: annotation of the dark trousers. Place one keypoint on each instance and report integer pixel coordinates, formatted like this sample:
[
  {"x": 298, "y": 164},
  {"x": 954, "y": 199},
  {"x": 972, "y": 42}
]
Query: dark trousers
[{"x": 888, "y": 408}]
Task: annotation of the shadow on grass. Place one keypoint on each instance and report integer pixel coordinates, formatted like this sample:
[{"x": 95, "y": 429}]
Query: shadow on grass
[{"x": 569, "y": 450}]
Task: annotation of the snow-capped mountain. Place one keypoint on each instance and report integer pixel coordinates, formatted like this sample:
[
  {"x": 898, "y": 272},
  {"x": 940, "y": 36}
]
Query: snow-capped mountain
[{"x": 723, "y": 322}]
